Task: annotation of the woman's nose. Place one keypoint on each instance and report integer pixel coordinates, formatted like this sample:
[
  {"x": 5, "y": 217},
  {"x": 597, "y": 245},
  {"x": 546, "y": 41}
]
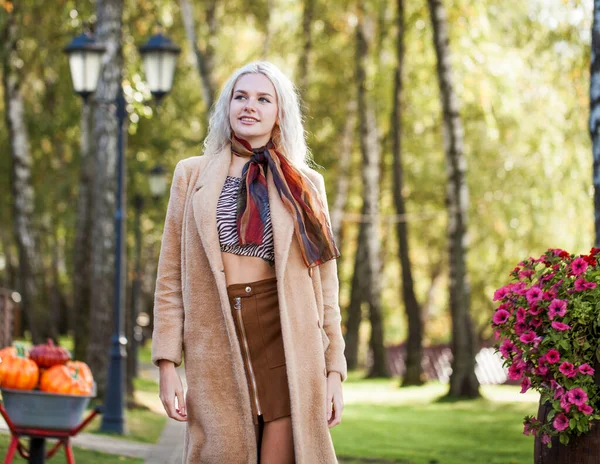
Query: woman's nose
[{"x": 249, "y": 104}]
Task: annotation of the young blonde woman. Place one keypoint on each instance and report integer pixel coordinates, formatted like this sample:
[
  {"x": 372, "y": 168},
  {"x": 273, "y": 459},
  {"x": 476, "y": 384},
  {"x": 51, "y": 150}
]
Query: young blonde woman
[{"x": 247, "y": 287}]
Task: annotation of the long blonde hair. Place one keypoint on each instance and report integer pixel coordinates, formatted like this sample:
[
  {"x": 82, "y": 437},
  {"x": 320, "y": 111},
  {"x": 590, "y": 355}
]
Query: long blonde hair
[{"x": 289, "y": 135}]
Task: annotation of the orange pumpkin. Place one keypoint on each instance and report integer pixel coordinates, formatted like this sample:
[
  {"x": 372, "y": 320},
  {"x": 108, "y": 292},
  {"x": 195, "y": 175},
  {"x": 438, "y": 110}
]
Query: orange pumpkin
[
  {"x": 60, "y": 379},
  {"x": 8, "y": 352},
  {"x": 83, "y": 370},
  {"x": 18, "y": 372},
  {"x": 49, "y": 355}
]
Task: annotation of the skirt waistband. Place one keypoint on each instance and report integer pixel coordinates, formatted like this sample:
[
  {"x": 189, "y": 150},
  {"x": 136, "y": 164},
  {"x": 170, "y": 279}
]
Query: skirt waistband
[{"x": 252, "y": 288}]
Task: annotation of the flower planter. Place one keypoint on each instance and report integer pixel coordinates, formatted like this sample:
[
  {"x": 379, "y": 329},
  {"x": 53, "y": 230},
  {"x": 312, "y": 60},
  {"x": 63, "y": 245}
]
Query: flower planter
[{"x": 584, "y": 449}]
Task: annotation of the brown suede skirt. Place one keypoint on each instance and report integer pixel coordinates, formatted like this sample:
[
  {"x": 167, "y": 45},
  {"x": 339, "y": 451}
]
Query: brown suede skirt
[{"x": 255, "y": 309}]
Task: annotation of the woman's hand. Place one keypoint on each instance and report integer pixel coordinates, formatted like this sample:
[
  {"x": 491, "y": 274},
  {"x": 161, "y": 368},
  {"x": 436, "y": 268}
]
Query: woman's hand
[
  {"x": 171, "y": 388},
  {"x": 334, "y": 395}
]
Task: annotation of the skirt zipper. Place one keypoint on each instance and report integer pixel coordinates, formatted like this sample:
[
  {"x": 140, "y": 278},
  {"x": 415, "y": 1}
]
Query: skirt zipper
[{"x": 238, "y": 310}]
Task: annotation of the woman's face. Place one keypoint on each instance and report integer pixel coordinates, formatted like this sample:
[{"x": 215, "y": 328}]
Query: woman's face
[{"x": 253, "y": 109}]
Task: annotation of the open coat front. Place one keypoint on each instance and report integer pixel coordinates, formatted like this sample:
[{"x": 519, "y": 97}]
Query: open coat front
[{"x": 192, "y": 313}]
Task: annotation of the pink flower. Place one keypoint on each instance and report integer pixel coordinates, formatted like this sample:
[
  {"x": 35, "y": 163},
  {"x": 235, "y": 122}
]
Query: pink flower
[
  {"x": 549, "y": 295},
  {"x": 534, "y": 310},
  {"x": 560, "y": 326},
  {"x": 534, "y": 294},
  {"x": 527, "y": 337},
  {"x": 500, "y": 316},
  {"x": 525, "y": 384},
  {"x": 580, "y": 285},
  {"x": 586, "y": 369},
  {"x": 557, "y": 307},
  {"x": 559, "y": 393},
  {"x": 506, "y": 348},
  {"x": 546, "y": 439},
  {"x": 535, "y": 322},
  {"x": 586, "y": 409},
  {"x": 525, "y": 273},
  {"x": 521, "y": 314},
  {"x": 564, "y": 403},
  {"x": 578, "y": 266},
  {"x": 590, "y": 285},
  {"x": 567, "y": 369},
  {"x": 577, "y": 396},
  {"x": 529, "y": 426},
  {"x": 520, "y": 328},
  {"x": 501, "y": 293},
  {"x": 560, "y": 422},
  {"x": 515, "y": 372},
  {"x": 552, "y": 356}
]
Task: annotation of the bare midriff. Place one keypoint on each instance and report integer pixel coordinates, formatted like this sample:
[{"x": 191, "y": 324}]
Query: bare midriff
[{"x": 242, "y": 269}]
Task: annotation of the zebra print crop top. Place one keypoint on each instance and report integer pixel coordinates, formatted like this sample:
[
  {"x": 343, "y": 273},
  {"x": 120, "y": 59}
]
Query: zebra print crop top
[{"x": 227, "y": 228}]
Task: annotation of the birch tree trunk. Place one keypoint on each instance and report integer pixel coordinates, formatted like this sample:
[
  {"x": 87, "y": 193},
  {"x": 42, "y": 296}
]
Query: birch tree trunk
[
  {"x": 343, "y": 179},
  {"x": 204, "y": 58},
  {"x": 594, "y": 121},
  {"x": 370, "y": 149},
  {"x": 31, "y": 272},
  {"x": 307, "y": 19},
  {"x": 414, "y": 344},
  {"x": 463, "y": 382},
  {"x": 82, "y": 257},
  {"x": 108, "y": 31}
]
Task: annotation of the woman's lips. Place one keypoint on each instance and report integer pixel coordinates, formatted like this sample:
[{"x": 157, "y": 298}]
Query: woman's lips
[{"x": 248, "y": 121}]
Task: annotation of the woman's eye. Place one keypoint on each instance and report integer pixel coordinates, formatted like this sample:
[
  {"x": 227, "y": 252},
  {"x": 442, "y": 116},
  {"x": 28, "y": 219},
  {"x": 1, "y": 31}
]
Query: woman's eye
[
  {"x": 265, "y": 99},
  {"x": 238, "y": 97}
]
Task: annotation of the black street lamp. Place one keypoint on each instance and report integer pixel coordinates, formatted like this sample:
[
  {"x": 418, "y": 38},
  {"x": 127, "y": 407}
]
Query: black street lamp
[
  {"x": 85, "y": 55},
  {"x": 159, "y": 55}
]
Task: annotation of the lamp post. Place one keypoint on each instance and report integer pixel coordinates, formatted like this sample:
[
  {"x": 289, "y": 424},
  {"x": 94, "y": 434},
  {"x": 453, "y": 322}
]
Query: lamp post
[{"x": 159, "y": 56}]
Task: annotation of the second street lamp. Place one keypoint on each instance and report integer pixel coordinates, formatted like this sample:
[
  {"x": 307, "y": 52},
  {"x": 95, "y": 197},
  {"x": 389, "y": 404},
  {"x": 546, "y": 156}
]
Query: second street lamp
[{"x": 85, "y": 64}]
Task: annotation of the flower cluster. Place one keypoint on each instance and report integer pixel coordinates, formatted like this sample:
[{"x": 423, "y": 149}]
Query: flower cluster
[{"x": 547, "y": 328}]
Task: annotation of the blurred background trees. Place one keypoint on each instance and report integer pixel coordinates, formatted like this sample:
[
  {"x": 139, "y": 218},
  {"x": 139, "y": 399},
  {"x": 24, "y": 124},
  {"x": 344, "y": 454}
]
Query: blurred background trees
[{"x": 375, "y": 118}]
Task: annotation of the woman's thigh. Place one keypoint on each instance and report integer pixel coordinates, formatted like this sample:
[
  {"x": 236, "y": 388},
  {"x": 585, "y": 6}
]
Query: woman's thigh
[{"x": 277, "y": 442}]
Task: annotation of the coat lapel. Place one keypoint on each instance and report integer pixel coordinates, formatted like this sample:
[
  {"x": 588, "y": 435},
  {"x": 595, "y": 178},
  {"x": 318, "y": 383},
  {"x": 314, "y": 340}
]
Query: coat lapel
[{"x": 204, "y": 203}]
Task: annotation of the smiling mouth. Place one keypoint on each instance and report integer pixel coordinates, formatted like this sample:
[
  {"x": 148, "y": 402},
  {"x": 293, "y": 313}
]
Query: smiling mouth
[{"x": 248, "y": 119}]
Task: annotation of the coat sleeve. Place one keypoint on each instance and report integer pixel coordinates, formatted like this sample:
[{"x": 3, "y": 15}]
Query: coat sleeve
[
  {"x": 335, "y": 361},
  {"x": 167, "y": 336}
]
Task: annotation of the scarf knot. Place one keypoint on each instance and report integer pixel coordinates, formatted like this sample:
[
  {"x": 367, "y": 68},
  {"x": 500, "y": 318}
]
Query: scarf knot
[{"x": 311, "y": 225}]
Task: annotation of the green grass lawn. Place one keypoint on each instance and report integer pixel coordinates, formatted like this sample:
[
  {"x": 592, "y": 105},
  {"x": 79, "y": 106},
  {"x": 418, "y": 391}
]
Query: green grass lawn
[
  {"x": 143, "y": 425},
  {"x": 408, "y": 425}
]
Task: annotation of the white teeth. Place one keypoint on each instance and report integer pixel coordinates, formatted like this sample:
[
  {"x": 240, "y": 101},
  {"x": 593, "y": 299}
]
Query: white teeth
[{"x": 248, "y": 119}]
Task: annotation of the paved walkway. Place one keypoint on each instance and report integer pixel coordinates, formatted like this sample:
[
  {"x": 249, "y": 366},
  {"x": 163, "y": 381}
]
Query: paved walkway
[{"x": 168, "y": 450}]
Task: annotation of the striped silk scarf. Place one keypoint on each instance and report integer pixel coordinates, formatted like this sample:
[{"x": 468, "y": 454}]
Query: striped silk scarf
[{"x": 300, "y": 197}]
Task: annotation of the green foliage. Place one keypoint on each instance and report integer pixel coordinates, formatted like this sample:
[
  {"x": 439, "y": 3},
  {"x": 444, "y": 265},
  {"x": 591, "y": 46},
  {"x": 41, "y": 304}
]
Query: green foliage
[{"x": 521, "y": 71}]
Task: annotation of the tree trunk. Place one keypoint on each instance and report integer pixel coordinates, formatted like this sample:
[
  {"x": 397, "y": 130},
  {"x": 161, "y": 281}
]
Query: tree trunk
[
  {"x": 370, "y": 149},
  {"x": 31, "y": 272},
  {"x": 82, "y": 258},
  {"x": 360, "y": 278},
  {"x": 414, "y": 344},
  {"x": 343, "y": 178},
  {"x": 463, "y": 382},
  {"x": 307, "y": 19},
  {"x": 204, "y": 58},
  {"x": 108, "y": 31},
  {"x": 594, "y": 121}
]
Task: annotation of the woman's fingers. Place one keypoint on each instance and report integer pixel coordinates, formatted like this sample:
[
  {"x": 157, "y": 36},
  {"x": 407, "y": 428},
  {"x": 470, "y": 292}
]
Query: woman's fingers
[
  {"x": 335, "y": 414},
  {"x": 171, "y": 390},
  {"x": 180, "y": 403}
]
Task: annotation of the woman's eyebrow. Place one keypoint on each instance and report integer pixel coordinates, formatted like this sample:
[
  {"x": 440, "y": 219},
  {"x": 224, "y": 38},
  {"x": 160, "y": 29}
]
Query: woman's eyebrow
[{"x": 259, "y": 93}]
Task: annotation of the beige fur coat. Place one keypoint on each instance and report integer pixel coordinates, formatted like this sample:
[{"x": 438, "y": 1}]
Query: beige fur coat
[{"x": 192, "y": 314}]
